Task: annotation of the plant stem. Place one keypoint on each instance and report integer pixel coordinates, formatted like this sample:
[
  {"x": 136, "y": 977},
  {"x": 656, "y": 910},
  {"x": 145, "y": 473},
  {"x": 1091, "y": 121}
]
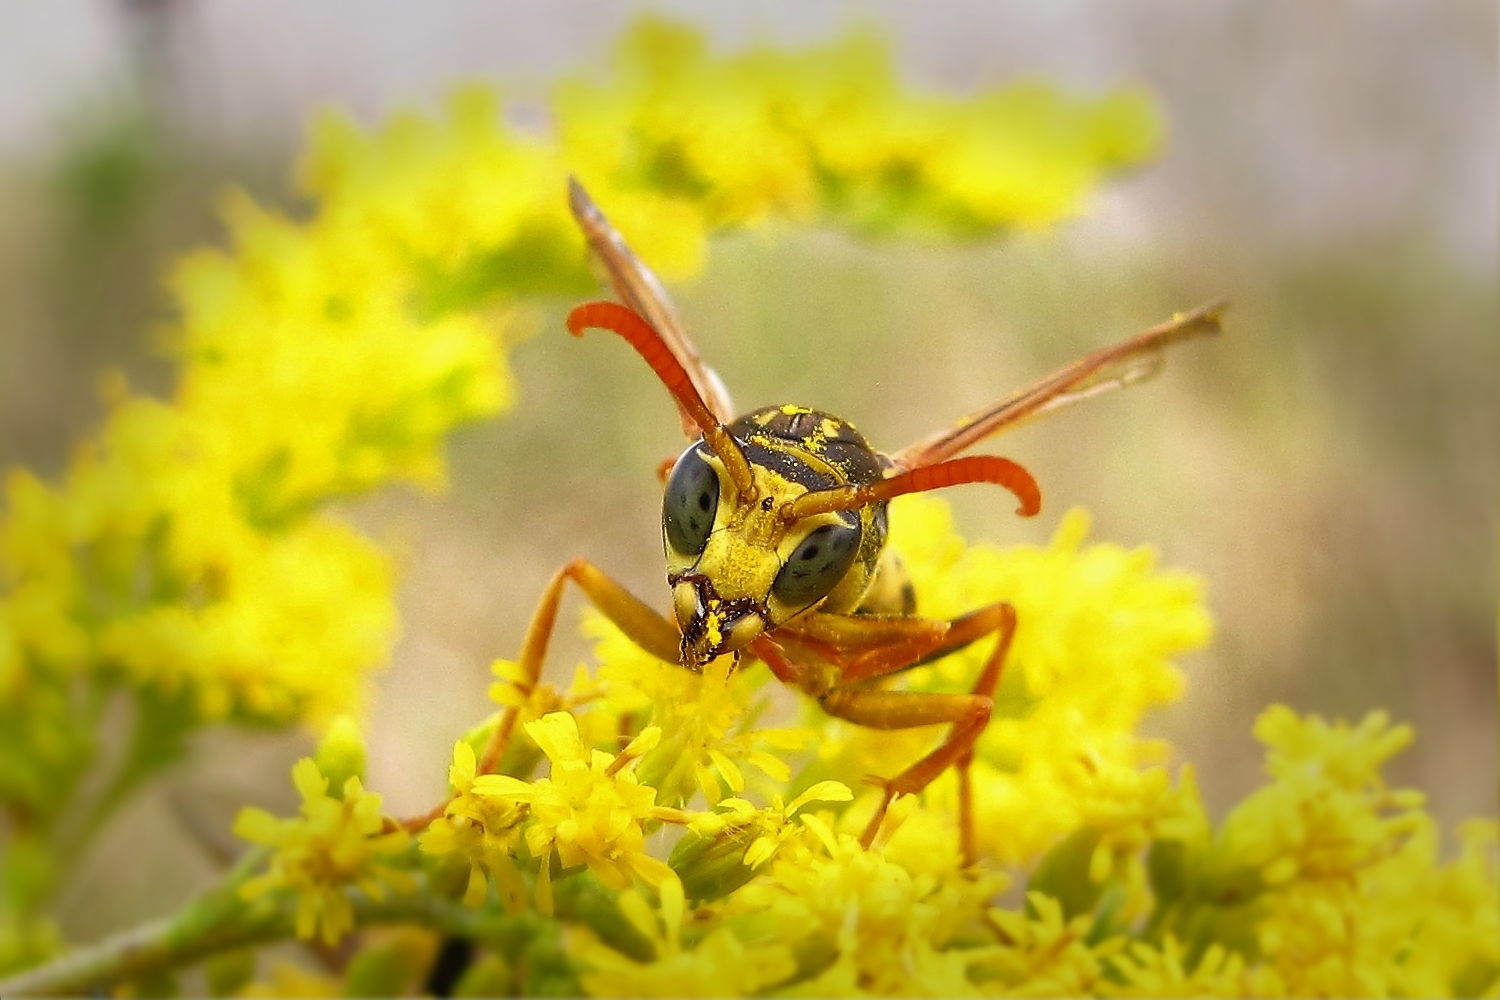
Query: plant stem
[
  {"x": 220, "y": 921},
  {"x": 207, "y": 925}
]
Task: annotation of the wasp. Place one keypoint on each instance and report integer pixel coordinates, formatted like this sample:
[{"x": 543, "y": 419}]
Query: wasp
[{"x": 774, "y": 527}]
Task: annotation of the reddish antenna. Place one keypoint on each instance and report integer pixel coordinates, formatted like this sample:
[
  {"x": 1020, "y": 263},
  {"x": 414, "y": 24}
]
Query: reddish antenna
[
  {"x": 973, "y": 469},
  {"x": 641, "y": 335}
]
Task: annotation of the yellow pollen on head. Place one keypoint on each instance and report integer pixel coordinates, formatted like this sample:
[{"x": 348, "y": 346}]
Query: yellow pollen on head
[
  {"x": 713, "y": 622},
  {"x": 791, "y": 409}
]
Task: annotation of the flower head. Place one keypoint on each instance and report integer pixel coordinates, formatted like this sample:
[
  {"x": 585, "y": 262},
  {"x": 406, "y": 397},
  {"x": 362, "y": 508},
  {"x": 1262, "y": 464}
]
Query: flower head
[
  {"x": 335, "y": 844},
  {"x": 481, "y": 829},
  {"x": 872, "y": 920},
  {"x": 704, "y": 718},
  {"x": 591, "y": 810},
  {"x": 718, "y": 965},
  {"x": 1043, "y": 953}
]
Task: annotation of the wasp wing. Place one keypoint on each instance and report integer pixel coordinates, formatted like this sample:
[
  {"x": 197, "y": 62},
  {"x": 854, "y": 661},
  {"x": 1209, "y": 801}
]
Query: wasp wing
[
  {"x": 1099, "y": 372},
  {"x": 642, "y": 291}
]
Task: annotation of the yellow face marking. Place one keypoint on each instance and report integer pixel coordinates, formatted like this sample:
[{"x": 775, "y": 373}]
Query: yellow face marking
[{"x": 714, "y": 621}]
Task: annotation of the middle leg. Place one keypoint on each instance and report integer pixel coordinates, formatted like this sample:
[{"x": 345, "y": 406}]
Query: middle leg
[{"x": 969, "y": 714}]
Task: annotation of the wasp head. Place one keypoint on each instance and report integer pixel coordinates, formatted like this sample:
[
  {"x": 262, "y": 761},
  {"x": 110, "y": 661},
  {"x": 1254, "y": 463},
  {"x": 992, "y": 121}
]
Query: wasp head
[{"x": 737, "y": 568}]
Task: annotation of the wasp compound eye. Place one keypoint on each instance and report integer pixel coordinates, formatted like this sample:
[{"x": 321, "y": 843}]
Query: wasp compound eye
[
  {"x": 817, "y": 564},
  {"x": 690, "y": 503}
]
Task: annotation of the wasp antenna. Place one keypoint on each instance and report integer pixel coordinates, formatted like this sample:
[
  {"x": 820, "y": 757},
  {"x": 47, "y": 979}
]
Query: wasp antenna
[
  {"x": 642, "y": 336},
  {"x": 972, "y": 469}
]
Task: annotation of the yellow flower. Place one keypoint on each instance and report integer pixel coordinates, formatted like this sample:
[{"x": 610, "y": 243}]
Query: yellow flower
[
  {"x": 1150, "y": 971},
  {"x": 482, "y": 830},
  {"x": 335, "y": 844},
  {"x": 1127, "y": 810},
  {"x": 723, "y": 848},
  {"x": 719, "y": 965},
  {"x": 288, "y": 980},
  {"x": 1349, "y": 757},
  {"x": 1353, "y": 898},
  {"x": 699, "y": 715},
  {"x": 511, "y": 690},
  {"x": 789, "y": 133},
  {"x": 1044, "y": 954},
  {"x": 870, "y": 919},
  {"x": 1327, "y": 814},
  {"x": 1097, "y": 628},
  {"x": 591, "y": 809}
]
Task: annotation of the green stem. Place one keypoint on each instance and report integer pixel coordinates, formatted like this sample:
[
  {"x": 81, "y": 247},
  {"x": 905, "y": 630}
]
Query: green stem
[
  {"x": 220, "y": 921},
  {"x": 125, "y": 781},
  {"x": 214, "y": 922},
  {"x": 156, "y": 735}
]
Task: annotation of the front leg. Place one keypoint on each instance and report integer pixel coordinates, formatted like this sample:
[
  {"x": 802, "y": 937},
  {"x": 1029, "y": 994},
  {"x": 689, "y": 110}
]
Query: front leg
[{"x": 642, "y": 624}]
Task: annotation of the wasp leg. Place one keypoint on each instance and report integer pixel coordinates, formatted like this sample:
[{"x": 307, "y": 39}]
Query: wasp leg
[
  {"x": 641, "y": 623},
  {"x": 863, "y": 633},
  {"x": 968, "y": 713},
  {"x": 874, "y": 646}
]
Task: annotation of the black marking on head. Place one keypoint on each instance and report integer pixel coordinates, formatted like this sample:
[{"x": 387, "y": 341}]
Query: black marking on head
[
  {"x": 821, "y": 437},
  {"x": 790, "y": 466}
]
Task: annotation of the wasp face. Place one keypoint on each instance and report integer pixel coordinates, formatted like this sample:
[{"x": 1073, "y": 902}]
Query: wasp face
[{"x": 737, "y": 569}]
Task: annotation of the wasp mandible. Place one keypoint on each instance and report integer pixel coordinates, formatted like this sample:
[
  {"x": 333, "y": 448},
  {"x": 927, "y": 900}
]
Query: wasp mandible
[{"x": 774, "y": 526}]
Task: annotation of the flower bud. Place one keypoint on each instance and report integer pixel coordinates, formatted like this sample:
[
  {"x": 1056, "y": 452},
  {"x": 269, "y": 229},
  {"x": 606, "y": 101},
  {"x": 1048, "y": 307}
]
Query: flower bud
[
  {"x": 713, "y": 865},
  {"x": 341, "y": 754},
  {"x": 1063, "y": 873},
  {"x": 393, "y": 966}
]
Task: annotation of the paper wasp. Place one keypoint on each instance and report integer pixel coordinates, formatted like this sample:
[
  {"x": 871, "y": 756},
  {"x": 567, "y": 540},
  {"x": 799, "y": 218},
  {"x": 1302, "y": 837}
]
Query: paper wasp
[{"x": 774, "y": 526}]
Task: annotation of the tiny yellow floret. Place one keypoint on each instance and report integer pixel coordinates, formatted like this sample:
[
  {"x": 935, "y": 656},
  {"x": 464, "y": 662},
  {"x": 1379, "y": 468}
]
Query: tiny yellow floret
[{"x": 336, "y": 843}]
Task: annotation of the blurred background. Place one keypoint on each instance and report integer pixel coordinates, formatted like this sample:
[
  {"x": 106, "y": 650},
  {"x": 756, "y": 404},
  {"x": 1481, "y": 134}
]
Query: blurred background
[{"x": 1329, "y": 467}]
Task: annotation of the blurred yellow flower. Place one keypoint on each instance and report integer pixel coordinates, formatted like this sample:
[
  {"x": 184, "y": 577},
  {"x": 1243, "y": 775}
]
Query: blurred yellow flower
[
  {"x": 1042, "y": 953},
  {"x": 718, "y": 966},
  {"x": 1165, "y": 972},
  {"x": 1097, "y": 629},
  {"x": 1356, "y": 902}
]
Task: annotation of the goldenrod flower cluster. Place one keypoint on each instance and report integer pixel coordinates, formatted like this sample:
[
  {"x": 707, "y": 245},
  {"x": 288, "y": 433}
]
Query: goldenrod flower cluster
[
  {"x": 338, "y": 841},
  {"x": 482, "y": 830},
  {"x": 591, "y": 810},
  {"x": 650, "y": 830},
  {"x": 189, "y": 558},
  {"x": 1323, "y": 882}
]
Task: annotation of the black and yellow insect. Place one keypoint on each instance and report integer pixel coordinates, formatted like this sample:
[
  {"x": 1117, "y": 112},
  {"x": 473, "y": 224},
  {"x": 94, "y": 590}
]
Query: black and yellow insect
[{"x": 774, "y": 526}]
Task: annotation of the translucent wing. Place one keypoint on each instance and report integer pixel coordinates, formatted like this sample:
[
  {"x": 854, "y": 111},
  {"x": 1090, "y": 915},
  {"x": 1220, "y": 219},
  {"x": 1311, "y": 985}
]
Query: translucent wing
[
  {"x": 1104, "y": 370},
  {"x": 639, "y": 289}
]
